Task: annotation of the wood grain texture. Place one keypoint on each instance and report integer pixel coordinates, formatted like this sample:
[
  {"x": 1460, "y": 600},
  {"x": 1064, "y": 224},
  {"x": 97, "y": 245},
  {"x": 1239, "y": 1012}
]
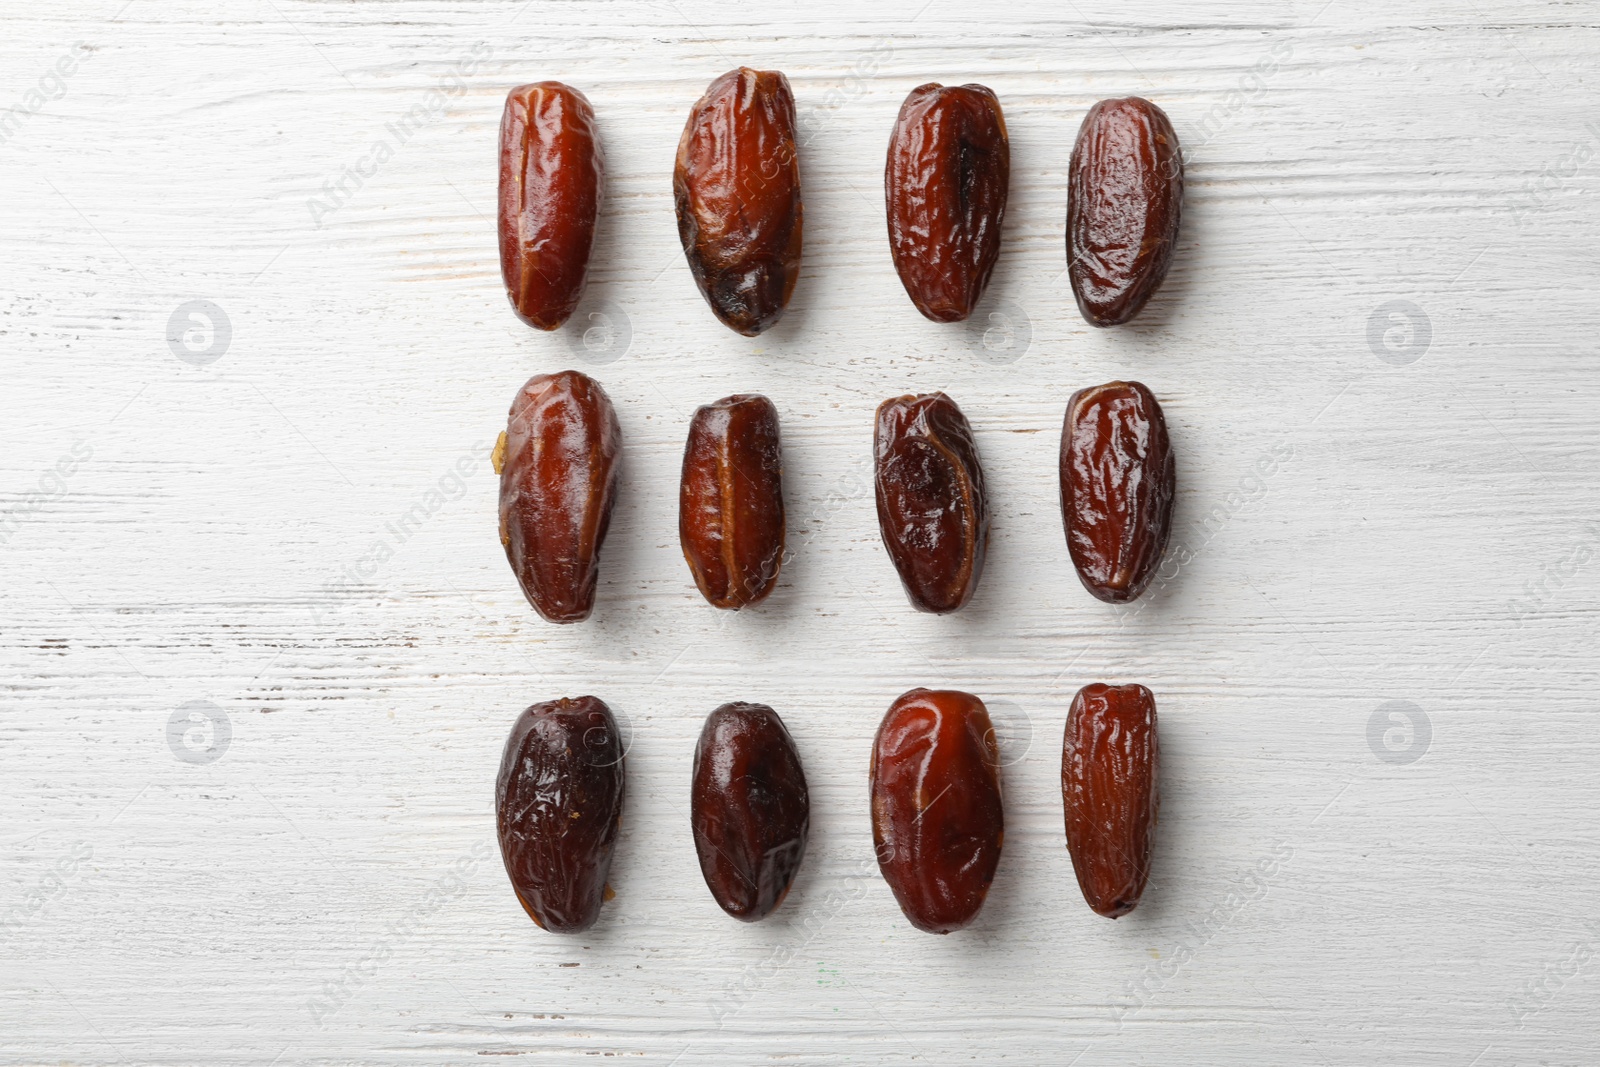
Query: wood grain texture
[{"x": 301, "y": 532}]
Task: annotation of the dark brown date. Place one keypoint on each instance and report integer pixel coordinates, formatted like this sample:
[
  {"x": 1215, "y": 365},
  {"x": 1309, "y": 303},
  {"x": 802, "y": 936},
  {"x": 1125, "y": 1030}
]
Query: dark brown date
[
  {"x": 558, "y": 477},
  {"x": 945, "y": 185},
  {"x": 937, "y": 821},
  {"x": 1117, "y": 483},
  {"x": 737, "y": 190},
  {"x": 1124, "y": 198},
  {"x": 558, "y": 805},
  {"x": 932, "y": 511},
  {"x": 730, "y": 501},
  {"x": 551, "y": 179},
  {"x": 749, "y": 809},
  {"x": 1110, "y": 767}
]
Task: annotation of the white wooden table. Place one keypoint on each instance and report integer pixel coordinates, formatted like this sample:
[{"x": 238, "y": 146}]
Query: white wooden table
[{"x": 252, "y": 717}]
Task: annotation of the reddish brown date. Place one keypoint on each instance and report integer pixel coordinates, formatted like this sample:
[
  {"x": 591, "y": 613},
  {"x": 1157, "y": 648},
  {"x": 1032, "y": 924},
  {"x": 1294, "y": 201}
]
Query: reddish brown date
[
  {"x": 749, "y": 809},
  {"x": 1118, "y": 479},
  {"x": 730, "y": 501},
  {"x": 737, "y": 190},
  {"x": 558, "y": 805},
  {"x": 558, "y": 478},
  {"x": 936, "y": 815},
  {"x": 945, "y": 185},
  {"x": 551, "y": 179},
  {"x": 932, "y": 511},
  {"x": 1110, "y": 766},
  {"x": 1124, "y": 198}
]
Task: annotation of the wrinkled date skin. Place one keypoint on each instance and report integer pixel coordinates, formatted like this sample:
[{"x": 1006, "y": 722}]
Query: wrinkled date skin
[
  {"x": 552, "y": 175},
  {"x": 936, "y": 815},
  {"x": 932, "y": 510},
  {"x": 737, "y": 190},
  {"x": 749, "y": 808},
  {"x": 945, "y": 185},
  {"x": 1124, "y": 198},
  {"x": 1118, "y": 479},
  {"x": 730, "y": 501},
  {"x": 558, "y": 805},
  {"x": 558, "y": 477},
  {"x": 1110, "y": 766}
]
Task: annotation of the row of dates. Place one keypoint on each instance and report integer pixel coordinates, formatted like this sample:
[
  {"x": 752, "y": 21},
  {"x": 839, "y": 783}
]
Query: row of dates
[
  {"x": 736, "y": 189},
  {"x": 934, "y": 781},
  {"x": 558, "y": 464}
]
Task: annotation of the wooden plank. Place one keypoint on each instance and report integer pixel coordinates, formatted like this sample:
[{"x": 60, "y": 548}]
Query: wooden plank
[{"x": 313, "y": 878}]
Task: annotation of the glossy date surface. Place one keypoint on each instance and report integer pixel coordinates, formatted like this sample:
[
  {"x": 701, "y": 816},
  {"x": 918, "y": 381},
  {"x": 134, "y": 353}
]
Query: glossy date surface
[
  {"x": 945, "y": 186},
  {"x": 749, "y": 808},
  {"x": 937, "y": 821},
  {"x": 1118, "y": 479},
  {"x": 552, "y": 175},
  {"x": 558, "y": 477},
  {"x": 736, "y": 186},
  {"x": 730, "y": 500},
  {"x": 1124, "y": 201},
  {"x": 558, "y": 803},
  {"x": 1110, "y": 770},
  {"x": 932, "y": 511}
]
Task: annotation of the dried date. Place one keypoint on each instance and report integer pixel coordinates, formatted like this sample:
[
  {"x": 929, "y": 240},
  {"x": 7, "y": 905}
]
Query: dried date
[
  {"x": 932, "y": 510},
  {"x": 1124, "y": 200},
  {"x": 945, "y": 186},
  {"x": 1118, "y": 478},
  {"x": 558, "y": 475},
  {"x": 558, "y": 803},
  {"x": 937, "y": 820},
  {"x": 730, "y": 500},
  {"x": 1110, "y": 769},
  {"x": 737, "y": 190},
  {"x": 749, "y": 808},
  {"x": 552, "y": 175}
]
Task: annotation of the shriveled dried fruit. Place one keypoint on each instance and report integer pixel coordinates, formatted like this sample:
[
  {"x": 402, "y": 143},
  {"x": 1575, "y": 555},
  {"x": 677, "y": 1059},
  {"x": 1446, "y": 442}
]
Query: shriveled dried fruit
[
  {"x": 945, "y": 185},
  {"x": 558, "y": 805},
  {"x": 937, "y": 821},
  {"x": 749, "y": 808},
  {"x": 932, "y": 511},
  {"x": 1124, "y": 199},
  {"x": 1117, "y": 482},
  {"x": 737, "y": 190},
  {"x": 552, "y": 175},
  {"x": 1110, "y": 767},
  {"x": 558, "y": 479},
  {"x": 730, "y": 501}
]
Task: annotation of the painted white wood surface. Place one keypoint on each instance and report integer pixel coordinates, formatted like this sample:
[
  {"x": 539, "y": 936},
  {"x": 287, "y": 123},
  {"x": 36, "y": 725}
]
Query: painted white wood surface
[{"x": 320, "y": 884}]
